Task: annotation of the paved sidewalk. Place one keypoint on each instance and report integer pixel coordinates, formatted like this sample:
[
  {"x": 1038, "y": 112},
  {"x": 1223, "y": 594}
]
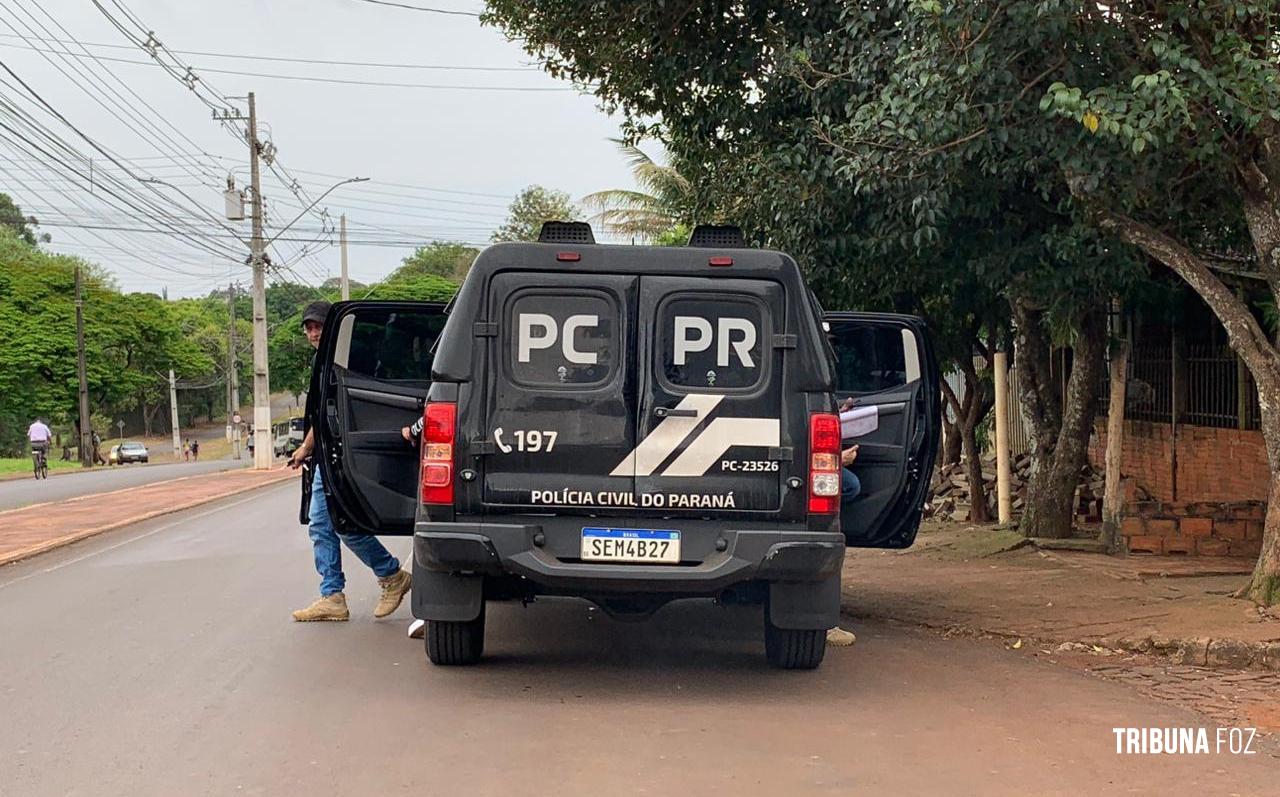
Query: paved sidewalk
[
  {"x": 35, "y": 529},
  {"x": 979, "y": 580}
]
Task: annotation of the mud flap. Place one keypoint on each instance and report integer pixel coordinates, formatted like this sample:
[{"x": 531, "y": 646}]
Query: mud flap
[
  {"x": 805, "y": 604},
  {"x": 445, "y": 596}
]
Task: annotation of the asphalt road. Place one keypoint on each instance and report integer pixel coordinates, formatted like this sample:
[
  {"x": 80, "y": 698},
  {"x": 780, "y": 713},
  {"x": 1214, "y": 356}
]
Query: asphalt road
[
  {"x": 21, "y": 492},
  {"x": 161, "y": 660}
]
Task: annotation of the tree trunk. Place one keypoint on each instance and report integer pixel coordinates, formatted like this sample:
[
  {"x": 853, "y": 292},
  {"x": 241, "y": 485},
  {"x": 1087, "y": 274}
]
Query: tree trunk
[
  {"x": 1113, "y": 495},
  {"x": 975, "y": 407},
  {"x": 1247, "y": 339},
  {"x": 979, "y": 508},
  {"x": 1264, "y": 584},
  {"x": 951, "y": 444},
  {"x": 1059, "y": 430},
  {"x": 950, "y": 429}
]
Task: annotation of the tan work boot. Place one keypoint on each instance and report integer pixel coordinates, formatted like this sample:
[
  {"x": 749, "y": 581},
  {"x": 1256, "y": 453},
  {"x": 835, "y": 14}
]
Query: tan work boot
[
  {"x": 328, "y": 607},
  {"x": 394, "y": 588}
]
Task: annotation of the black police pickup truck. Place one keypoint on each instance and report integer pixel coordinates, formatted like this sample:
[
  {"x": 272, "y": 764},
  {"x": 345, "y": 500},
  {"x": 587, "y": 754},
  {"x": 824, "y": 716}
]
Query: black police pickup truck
[{"x": 630, "y": 425}]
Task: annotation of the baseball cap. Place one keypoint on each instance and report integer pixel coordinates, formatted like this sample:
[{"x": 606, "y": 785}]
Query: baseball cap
[{"x": 316, "y": 311}]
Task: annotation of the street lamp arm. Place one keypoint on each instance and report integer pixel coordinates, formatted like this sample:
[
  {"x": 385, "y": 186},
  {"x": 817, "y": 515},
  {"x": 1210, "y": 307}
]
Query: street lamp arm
[{"x": 308, "y": 208}]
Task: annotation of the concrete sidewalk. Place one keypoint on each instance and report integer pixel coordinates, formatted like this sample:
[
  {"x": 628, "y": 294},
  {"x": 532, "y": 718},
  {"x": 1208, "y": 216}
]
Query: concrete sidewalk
[
  {"x": 37, "y": 528},
  {"x": 966, "y": 579}
]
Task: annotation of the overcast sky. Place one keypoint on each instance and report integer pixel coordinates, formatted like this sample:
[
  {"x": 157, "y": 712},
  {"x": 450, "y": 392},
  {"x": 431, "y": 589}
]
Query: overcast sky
[{"x": 417, "y": 145}]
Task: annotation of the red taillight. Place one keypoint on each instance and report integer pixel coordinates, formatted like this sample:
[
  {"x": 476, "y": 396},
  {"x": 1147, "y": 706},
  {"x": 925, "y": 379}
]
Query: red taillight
[
  {"x": 721, "y": 261},
  {"x": 439, "y": 421},
  {"x": 568, "y": 257},
  {"x": 824, "y": 463}
]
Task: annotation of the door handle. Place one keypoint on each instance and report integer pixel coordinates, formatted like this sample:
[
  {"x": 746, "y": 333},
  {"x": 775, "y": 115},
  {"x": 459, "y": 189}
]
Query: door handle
[
  {"x": 668, "y": 412},
  {"x": 331, "y": 417}
]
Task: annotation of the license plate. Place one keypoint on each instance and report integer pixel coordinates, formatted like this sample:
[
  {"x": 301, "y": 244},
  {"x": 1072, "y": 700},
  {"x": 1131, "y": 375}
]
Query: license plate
[{"x": 654, "y": 546}]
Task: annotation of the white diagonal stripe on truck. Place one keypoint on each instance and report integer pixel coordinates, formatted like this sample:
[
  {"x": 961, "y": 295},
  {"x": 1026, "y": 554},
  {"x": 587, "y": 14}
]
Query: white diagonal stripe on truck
[
  {"x": 719, "y": 437},
  {"x": 666, "y": 437}
]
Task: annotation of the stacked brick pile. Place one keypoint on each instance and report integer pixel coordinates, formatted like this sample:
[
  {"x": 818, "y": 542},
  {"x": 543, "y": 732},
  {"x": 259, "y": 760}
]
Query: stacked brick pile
[
  {"x": 951, "y": 497},
  {"x": 1193, "y": 528}
]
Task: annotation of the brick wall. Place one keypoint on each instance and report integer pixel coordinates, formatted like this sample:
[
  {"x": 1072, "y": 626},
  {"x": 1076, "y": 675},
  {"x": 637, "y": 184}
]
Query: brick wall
[
  {"x": 1194, "y": 529},
  {"x": 1214, "y": 465}
]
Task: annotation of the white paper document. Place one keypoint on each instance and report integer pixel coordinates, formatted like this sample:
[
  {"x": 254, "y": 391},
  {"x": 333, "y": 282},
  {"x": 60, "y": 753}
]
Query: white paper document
[{"x": 859, "y": 421}]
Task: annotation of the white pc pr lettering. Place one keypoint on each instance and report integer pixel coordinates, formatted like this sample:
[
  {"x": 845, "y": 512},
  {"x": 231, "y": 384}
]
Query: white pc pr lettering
[
  {"x": 694, "y": 334},
  {"x": 539, "y": 331}
]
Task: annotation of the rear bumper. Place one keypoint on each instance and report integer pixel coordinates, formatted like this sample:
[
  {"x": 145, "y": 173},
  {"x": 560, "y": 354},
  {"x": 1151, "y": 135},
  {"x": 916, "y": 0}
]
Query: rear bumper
[{"x": 749, "y": 554}]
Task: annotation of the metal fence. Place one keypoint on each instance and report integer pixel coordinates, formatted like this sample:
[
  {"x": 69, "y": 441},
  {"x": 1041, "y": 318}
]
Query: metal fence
[{"x": 1201, "y": 385}]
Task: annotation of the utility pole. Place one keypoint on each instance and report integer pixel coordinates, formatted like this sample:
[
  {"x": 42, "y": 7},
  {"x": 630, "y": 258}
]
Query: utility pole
[
  {"x": 233, "y": 374},
  {"x": 346, "y": 278},
  {"x": 1004, "y": 470},
  {"x": 173, "y": 411},
  {"x": 262, "y": 450},
  {"x": 86, "y": 433}
]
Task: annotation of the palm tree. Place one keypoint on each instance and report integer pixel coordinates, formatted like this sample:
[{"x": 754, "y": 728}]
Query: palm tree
[{"x": 664, "y": 201}]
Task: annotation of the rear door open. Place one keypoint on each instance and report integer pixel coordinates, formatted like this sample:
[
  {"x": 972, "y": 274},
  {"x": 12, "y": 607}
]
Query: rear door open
[
  {"x": 559, "y": 398},
  {"x": 375, "y": 361},
  {"x": 885, "y": 364},
  {"x": 709, "y": 420}
]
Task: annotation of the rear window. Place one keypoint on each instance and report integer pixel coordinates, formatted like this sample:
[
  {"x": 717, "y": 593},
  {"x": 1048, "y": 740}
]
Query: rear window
[
  {"x": 562, "y": 338},
  {"x": 873, "y": 357},
  {"x": 712, "y": 343},
  {"x": 393, "y": 346}
]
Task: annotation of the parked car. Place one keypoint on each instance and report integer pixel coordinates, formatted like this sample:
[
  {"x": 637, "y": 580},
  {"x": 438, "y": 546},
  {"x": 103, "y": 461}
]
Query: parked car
[
  {"x": 629, "y": 425},
  {"x": 130, "y": 452}
]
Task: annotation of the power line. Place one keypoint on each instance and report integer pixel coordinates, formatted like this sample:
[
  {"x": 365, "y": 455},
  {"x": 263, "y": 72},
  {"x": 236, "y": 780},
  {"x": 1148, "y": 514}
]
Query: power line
[
  {"x": 450, "y": 12},
  {"x": 139, "y": 124},
  {"x": 313, "y": 61},
  {"x": 113, "y": 188},
  {"x": 307, "y": 78}
]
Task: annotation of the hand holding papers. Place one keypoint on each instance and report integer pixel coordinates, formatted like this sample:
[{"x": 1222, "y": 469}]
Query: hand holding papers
[{"x": 859, "y": 421}]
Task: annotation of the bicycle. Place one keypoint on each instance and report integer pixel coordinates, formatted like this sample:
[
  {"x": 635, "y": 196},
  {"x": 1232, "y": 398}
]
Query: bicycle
[{"x": 40, "y": 463}]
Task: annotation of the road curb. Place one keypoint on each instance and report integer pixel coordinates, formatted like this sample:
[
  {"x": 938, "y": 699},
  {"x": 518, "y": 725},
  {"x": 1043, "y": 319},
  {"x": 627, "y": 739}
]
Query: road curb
[
  {"x": 17, "y": 477},
  {"x": 1231, "y": 654},
  {"x": 92, "y": 496},
  {"x": 59, "y": 542}
]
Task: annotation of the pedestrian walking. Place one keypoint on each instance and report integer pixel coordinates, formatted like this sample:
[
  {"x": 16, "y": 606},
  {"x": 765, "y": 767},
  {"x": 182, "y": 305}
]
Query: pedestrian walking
[
  {"x": 195, "y": 450},
  {"x": 332, "y": 604},
  {"x": 98, "y": 459},
  {"x": 186, "y": 450}
]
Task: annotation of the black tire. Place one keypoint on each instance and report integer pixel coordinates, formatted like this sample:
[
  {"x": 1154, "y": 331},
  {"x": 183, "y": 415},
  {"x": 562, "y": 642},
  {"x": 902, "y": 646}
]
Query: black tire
[
  {"x": 793, "y": 649},
  {"x": 451, "y": 644}
]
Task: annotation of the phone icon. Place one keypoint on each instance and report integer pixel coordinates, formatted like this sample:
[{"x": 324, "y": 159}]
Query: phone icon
[{"x": 497, "y": 438}]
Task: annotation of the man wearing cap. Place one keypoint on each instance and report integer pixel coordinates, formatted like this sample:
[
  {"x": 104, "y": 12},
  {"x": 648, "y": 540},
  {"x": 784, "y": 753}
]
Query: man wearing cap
[{"x": 332, "y": 604}]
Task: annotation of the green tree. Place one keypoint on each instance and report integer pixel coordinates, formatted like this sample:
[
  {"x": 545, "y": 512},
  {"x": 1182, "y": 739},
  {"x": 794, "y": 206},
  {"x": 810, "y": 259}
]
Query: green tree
[
  {"x": 765, "y": 122},
  {"x": 444, "y": 259},
  {"x": 11, "y": 216},
  {"x": 530, "y": 209},
  {"x": 665, "y": 200},
  {"x": 334, "y": 285},
  {"x": 1152, "y": 124},
  {"x": 131, "y": 341},
  {"x": 415, "y": 287}
]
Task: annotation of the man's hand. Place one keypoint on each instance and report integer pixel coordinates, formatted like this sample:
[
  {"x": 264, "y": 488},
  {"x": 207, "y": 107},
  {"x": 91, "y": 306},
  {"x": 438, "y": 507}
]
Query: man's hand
[
  {"x": 406, "y": 434},
  {"x": 300, "y": 455},
  {"x": 848, "y": 456},
  {"x": 846, "y": 405},
  {"x": 303, "y": 452}
]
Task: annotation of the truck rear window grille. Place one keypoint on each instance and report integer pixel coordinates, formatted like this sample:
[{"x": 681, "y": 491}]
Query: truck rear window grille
[{"x": 566, "y": 232}]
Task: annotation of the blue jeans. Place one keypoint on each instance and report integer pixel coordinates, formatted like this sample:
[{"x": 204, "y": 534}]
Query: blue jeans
[
  {"x": 850, "y": 487},
  {"x": 324, "y": 541}
]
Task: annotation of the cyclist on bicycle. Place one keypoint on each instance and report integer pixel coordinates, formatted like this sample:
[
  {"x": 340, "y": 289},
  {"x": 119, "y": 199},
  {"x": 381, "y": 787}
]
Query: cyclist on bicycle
[{"x": 40, "y": 437}]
